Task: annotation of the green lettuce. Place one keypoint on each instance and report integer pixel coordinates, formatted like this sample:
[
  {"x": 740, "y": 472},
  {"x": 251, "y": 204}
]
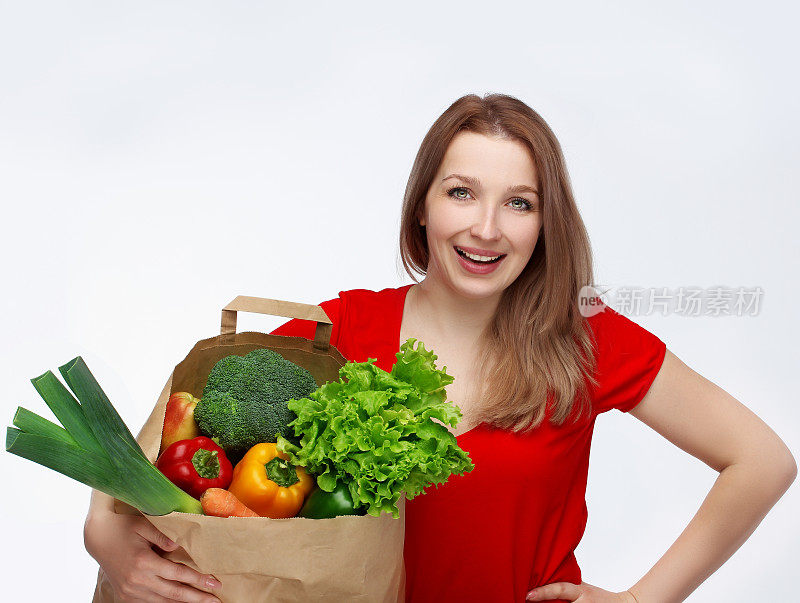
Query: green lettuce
[{"x": 381, "y": 434}]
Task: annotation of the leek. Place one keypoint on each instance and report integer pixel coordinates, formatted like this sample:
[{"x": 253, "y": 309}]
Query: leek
[{"x": 92, "y": 445}]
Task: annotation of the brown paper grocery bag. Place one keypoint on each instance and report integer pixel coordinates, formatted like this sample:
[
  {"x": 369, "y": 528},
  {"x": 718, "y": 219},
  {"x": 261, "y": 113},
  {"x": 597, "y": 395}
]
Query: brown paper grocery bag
[{"x": 261, "y": 559}]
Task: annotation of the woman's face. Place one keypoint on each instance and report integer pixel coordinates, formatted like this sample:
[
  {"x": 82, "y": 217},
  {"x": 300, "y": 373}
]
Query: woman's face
[{"x": 482, "y": 215}]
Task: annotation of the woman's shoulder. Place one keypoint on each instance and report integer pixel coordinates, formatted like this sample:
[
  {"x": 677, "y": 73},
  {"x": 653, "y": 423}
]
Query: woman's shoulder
[
  {"x": 610, "y": 328},
  {"x": 354, "y": 311},
  {"x": 366, "y": 323},
  {"x": 370, "y": 295},
  {"x": 364, "y": 306},
  {"x": 628, "y": 356},
  {"x": 365, "y": 302}
]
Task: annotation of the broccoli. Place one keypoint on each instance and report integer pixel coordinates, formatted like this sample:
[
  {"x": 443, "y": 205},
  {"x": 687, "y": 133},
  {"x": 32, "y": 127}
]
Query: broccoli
[{"x": 244, "y": 400}]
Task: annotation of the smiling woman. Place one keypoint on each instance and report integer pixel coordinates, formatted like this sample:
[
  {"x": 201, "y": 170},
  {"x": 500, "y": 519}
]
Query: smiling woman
[
  {"x": 490, "y": 222},
  {"x": 490, "y": 180},
  {"x": 458, "y": 219}
]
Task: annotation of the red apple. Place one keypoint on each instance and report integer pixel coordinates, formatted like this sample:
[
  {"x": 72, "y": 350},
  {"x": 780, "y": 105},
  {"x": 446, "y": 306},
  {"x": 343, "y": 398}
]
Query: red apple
[{"x": 179, "y": 423}]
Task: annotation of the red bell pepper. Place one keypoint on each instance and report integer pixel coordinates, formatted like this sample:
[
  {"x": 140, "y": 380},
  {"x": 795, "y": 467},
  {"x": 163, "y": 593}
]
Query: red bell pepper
[{"x": 196, "y": 465}]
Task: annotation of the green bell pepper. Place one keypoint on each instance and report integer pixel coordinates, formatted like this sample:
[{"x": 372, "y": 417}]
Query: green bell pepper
[{"x": 325, "y": 505}]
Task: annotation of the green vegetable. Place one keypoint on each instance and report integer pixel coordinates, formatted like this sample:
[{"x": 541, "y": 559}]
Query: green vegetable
[
  {"x": 325, "y": 505},
  {"x": 377, "y": 432},
  {"x": 94, "y": 446},
  {"x": 244, "y": 400}
]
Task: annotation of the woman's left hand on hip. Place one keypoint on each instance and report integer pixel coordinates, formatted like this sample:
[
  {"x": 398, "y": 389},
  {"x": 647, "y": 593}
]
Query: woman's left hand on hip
[{"x": 582, "y": 593}]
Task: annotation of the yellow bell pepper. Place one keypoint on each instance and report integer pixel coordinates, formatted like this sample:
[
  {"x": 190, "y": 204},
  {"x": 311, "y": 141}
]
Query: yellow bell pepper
[{"x": 268, "y": 483}]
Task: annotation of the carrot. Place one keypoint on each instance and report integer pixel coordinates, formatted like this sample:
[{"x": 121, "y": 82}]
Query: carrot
[{"x": 221, "y": 503}]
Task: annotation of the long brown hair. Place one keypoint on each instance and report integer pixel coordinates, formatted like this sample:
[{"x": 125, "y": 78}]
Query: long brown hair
[{"x": 538, "y": 343}]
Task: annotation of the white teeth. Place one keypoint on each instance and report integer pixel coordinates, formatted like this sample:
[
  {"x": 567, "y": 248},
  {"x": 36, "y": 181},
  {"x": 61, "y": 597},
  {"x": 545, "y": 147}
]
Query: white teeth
[{"x": 478, "y": 258}]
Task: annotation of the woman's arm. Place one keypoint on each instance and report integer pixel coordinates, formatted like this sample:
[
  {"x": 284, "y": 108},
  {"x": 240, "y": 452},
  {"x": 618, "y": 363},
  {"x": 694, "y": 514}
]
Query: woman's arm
[
  {"x": 123, "y": 546},
  {"x": 755, "y": 467}
]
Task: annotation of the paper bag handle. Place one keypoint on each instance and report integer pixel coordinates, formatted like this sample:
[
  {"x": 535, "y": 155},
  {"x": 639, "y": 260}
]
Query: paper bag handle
[{"x": 276, "y": 307}]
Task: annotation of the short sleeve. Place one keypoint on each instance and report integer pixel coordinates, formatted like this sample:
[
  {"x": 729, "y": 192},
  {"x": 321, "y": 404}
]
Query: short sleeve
[
  {"x": 628, "y": 360},
  {"x": 305, "y": 328}
]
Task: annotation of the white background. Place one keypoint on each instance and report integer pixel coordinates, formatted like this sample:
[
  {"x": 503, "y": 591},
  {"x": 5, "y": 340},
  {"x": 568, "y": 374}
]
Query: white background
[{"x": 158, "y": 159}]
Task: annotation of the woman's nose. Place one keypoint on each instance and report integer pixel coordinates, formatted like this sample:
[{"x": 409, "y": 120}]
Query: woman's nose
[{"x": 485, "y": 226}]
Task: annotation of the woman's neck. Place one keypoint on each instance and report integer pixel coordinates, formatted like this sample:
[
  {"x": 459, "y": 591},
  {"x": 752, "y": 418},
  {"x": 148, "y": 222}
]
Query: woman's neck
[{"x": 449, "y": 313}]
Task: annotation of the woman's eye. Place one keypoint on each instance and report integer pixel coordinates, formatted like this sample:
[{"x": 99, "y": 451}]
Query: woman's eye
[
  {"x": 519, "y": 203},
  {"x": 522, "y": 204},
  {"x": 458, "y": 189}
]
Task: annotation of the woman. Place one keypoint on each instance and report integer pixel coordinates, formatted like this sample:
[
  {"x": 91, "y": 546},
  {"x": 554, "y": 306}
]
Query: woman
[{"x": 490, "y": 221}]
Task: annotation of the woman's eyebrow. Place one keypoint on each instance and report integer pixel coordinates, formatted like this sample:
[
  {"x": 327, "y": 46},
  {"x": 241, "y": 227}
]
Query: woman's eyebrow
[{"x": 476, "y": 183}]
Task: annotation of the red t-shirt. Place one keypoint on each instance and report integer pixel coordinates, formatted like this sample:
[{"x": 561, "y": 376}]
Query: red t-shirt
[{"x": 512, "y": 523}]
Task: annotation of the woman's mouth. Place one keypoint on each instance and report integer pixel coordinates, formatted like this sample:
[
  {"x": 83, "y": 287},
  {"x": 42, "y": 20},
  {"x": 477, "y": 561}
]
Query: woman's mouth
[{"x": 478, "y": 264}]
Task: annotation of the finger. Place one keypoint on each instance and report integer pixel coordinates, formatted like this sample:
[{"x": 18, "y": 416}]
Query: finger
[
  {"x": 152, "y": 598},
  {"x": 175, "y": 591},
  {"x": 148, "y": 531},
  {"x": 178, "y": 572},
  {"x": 556, "y": 590}
]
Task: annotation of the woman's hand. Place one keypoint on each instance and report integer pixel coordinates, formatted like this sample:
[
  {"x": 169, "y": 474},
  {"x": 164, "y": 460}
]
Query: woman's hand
[
  {"x": 123, "y": 546},
  {"x": 583, "y": 593}
]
